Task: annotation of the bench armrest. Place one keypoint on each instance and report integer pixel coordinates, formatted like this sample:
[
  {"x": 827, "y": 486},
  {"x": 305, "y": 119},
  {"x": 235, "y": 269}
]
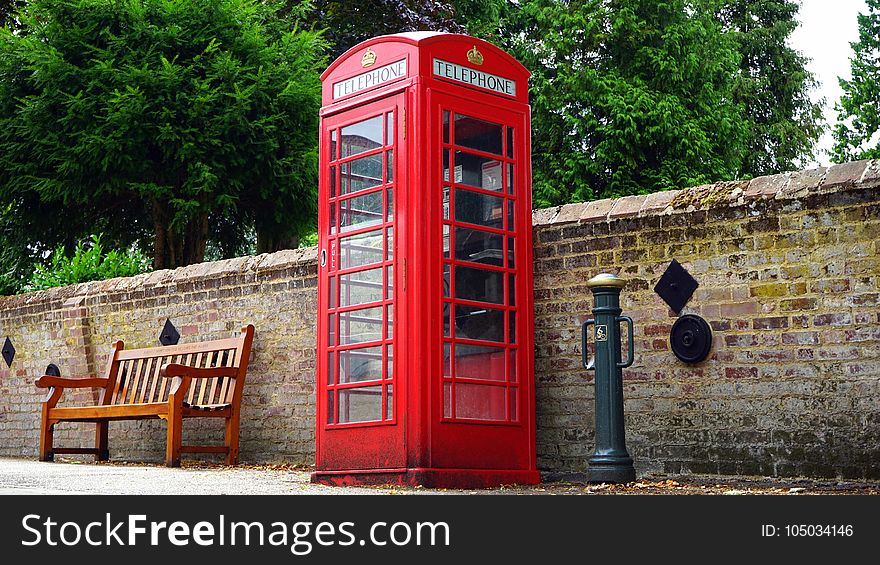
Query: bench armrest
[
  {"x": 172, "y": 370},
  {"x": 48, "y": 381}
]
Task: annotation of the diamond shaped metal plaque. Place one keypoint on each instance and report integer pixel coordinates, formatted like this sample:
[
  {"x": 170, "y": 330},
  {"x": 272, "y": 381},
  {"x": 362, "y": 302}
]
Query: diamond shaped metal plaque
[
  {"x": 8, "y": 352},
  {"x": 676, "y": 286},
  {"x": 169, "y": 334}
]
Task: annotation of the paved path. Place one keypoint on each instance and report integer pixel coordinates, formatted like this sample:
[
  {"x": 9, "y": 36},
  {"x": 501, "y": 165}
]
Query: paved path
[
  {"x": 21, "y": 476},
  {"x": 28, "y": 476}
]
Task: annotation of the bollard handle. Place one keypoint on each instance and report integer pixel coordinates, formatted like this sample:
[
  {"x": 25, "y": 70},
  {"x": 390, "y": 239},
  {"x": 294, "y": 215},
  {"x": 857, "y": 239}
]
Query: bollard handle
[
  {"x": 590, "y": 364},
  {"x": 631, "y": 357}
]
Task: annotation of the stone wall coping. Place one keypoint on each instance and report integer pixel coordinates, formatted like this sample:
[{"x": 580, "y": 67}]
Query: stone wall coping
[
  {"x": 855, "y": 175},
  {"x": 68, "y": 296}
]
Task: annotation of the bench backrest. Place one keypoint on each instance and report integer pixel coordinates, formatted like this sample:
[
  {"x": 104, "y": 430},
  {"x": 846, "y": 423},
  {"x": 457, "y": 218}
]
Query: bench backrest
[{"x": 134, "y": 373}]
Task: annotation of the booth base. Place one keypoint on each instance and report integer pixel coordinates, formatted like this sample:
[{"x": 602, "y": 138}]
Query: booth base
[{"x": 426, "y": 477}]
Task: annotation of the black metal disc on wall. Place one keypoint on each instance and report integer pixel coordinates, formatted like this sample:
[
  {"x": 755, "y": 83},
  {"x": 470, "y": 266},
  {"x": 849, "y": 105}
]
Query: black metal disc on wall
[{"x": 691, "y": 338}]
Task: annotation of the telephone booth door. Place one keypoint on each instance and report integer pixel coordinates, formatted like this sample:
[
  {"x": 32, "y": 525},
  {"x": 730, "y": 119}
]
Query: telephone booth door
[
  {"x": 358, "y": 198},
  {"x": 481, "y": 152}
]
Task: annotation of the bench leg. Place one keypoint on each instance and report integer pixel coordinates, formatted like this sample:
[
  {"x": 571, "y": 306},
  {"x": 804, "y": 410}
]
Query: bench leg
[
  {"x": 101, "y": 442},
  {"x": 231, "y": 440},
  {"x": 47, "y": 432},
  {"x": 174, "y": 439}
]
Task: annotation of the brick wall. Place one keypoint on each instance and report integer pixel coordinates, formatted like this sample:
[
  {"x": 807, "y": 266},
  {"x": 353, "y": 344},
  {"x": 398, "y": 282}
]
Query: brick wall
[
  {"x": 74, "y": 327},
  {"x": 789, "y": 274}
]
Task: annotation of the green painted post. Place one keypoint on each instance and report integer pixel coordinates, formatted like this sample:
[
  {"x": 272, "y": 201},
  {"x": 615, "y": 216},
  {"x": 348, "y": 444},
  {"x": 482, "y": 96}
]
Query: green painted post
[{"x": 610, "y": 462}]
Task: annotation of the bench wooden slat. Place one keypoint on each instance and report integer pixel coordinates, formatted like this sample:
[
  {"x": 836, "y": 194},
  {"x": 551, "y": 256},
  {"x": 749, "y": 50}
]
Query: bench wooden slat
[
  {"x": 122, "y": 381},
  {"x": 212, "y": 395},
  {"x": 109, "y": 411},
  {"x": 135, "y": 382},
  {"x": 147, "y": 379},
  {"x": 192, "y": 389},
  {"x": 154, "y": 372},
  {"x": 183, "y": 349},
  {"x": 203, "y": 383}
]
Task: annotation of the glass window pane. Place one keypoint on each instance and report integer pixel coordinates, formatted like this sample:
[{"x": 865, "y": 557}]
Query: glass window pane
[
  {"x": 389, "y": 404},
  {"x": 360, "y": 326},
  {"x": 360, "y": 404},
  {"x": 389, "y": 361},
  {"x": 511, "y": 289},
  {"x": 389, "y": 211},
  {"x": 389, "y": 321},
  {"x": 389, "y": 128},
  {"x": 447, "y": 310},
  {"x": 514, "y": 404},
  {"x": 447, "y": 360},
  {"x": 389, "y": 244},
  {"x": 361, "y": 137},
  {"x": 480, "y": 285},
  {"x": 360, "y": 174},
  {"x": 511, "y": 365},
  {"x": 445, "y": 241},
  {"x": 361, "y": 287},
  {"x": 480, "y": 402},
  {"x": 333, "y": 217},
  {"x": 475, "y": 208},
  {"x": 331, "y": 289},
  {"x": 510, "y": 178},
  {"x": 473, "y": 322},
  {"x": 361, "y": 249},
  {"x": 389, "y": 283},
  {"x": 445, "y": 126},
  {"x": 356, "y": 365},
  {"x": 510, "y": 223},
  {"x": 389, "y": 166},
  {"x": 446, "y": 202},
  {"x": 447, "y": 400},
  {"x": 331, "y": 330},
  {"x": 511, "y": 253},
  {"x": 333, "y": 145},
  {"x": 478, "y": 246},
  {"x": 332, "y": 183},
  {"x": 331, "y": 368},
  {"x": 477, "y": 134},
  {"x": 360, "y": 212},
  {"x": 331, "y": 407},
  {"x": 446, "y": 270},
  {"x": 510, "y": 143},
  {"x": 479, "y": 362},
  {"x": 511, "y": 320},
  {"x": 481, "y": 172}
]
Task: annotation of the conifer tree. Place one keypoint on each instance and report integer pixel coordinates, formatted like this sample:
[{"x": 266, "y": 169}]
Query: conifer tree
[{"x": 857, "y": 134}]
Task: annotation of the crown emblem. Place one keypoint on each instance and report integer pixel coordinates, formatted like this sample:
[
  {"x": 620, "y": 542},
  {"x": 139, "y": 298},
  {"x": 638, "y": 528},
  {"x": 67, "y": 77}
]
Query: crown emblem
[
  {"x": 474, "y": 56},
  {"x": 369, "y": 58}
]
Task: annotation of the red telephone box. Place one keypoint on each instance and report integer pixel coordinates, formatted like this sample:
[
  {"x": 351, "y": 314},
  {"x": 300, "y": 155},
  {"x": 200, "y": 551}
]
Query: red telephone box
[{"x": 425, "y": 347}]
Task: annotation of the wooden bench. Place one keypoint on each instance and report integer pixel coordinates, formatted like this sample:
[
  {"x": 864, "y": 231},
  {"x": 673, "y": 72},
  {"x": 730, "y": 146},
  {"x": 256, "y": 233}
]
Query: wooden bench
[{"x": 194, "y": 380}]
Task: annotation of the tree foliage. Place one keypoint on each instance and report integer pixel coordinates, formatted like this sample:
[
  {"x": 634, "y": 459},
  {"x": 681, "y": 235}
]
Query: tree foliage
[
  {"x": 773, "y": 86},
  {"x": 628, "y": 97},
  {"x": 349, "y": 23},
  {"x": 172, "y": 120},
  {"x": 857, "y": 134},
  {"x": 89, "y": 262}
]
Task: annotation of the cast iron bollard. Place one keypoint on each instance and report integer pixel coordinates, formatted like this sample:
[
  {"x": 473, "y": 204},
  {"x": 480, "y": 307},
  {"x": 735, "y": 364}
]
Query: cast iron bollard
[{"x": 610, "y": 462}]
